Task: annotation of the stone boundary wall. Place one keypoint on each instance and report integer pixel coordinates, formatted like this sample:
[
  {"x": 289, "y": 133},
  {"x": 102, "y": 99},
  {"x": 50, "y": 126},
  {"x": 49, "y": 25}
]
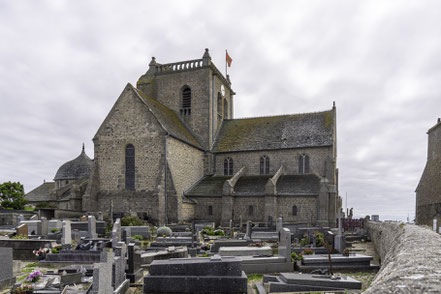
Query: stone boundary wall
[{"x": 410, "y": 258}]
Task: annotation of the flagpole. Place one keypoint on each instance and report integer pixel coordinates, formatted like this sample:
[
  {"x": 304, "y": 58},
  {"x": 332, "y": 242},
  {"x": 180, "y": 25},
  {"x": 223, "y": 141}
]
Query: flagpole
[{"x": 226, "y": 71}]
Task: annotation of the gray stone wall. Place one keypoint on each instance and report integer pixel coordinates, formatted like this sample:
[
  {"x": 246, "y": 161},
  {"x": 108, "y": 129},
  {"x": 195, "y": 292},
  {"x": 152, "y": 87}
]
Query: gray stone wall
[
  {"x": 410, "y": 256},
  {"x": 186, "y": 165},
  {"x": 169, "y": 87},
  {"x": 320, "y": 161},
  {"x": 306, "y": 209},
  {"x": 428, "y": 192}
]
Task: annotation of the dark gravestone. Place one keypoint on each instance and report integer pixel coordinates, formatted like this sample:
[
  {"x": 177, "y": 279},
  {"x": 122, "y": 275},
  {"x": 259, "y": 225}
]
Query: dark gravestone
[
  {"x": 134, "y": 271},
  {"x": 6, "y": 274},
  {"x": 196, "y": 275}
]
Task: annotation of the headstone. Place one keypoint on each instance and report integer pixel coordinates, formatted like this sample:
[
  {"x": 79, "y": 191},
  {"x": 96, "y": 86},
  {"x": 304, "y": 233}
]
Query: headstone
[
  {"x": 22, "y": 230},
  {"x": 435, "y": 225},
  {"x": 248, "y": 233},
  {"x": 279, "y": 224},
  {"x": 269, "y": 221},
  {"x": 100, "y": 216},
  {"x": 66, "y": 239},
  {"x": 44, "y": 227},
  {"x": 340, "y": 239},
  {"x": 6, "y": 273},
  {"x": 102, "y": 274},
  {"x": 119, "y": 275},
  {"x": 91, "y": 226},
  {"x": 285, "y": 243},
  {"x": 20, "y": 218},
  {"x": 134, "y": 271},
  {"x": 116, "y": 232},
  {"x": 34, "y": 217}
]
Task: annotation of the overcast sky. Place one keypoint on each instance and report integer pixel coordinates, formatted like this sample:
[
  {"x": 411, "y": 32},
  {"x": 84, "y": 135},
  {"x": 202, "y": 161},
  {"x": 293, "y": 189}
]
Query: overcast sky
[{"x": 63, "y": 64}]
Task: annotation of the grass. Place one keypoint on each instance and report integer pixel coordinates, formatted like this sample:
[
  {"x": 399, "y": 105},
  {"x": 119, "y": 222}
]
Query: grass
[{"x": 254, "y": 277}]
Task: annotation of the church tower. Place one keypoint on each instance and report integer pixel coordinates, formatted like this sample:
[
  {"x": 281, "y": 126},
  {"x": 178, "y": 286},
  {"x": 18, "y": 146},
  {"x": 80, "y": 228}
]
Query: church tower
[{"x": 196, "y": 90}]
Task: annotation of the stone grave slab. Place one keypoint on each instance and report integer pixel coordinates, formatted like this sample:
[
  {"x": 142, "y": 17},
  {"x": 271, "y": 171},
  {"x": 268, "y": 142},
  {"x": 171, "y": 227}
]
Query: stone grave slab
[{"x": 245, "y": 251}]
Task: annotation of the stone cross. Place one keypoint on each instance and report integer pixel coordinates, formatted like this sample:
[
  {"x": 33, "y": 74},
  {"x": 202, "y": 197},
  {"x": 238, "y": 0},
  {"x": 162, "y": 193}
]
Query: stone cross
[
  {"x": 91, "y": 226},
  {"x": 66, "y": 239},
  {"x": 279, "y": 224},
  {"x": 116, "y": 232},
  {"x": 102, "y": 274}
]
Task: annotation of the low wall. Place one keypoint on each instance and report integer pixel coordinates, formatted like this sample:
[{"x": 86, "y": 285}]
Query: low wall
[
  {"x": 410, "y": 258},
  {"x": 22, "y": 248}
]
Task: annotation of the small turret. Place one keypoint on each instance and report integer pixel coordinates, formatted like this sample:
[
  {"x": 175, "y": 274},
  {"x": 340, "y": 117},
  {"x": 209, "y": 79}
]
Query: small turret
[{"x": 206, "y": 58}]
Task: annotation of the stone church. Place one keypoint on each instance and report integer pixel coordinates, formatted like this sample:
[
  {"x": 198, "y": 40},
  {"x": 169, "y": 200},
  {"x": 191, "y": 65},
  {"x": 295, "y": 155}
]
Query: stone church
[
  {"x": 171, "y": 151},
  {"x": 428, "y": 192}
]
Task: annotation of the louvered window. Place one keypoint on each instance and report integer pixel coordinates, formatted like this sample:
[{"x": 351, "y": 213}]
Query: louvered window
[{"x": 186, "y": 101}]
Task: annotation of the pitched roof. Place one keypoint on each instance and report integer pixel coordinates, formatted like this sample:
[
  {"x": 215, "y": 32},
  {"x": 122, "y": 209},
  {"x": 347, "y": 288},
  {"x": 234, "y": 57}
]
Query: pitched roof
[
  {"x": 291, "y": 185},
  {"x": 42, "y": 193},
  {"x": 276, "y": 132},
  {"x": 168, "y": 119}
]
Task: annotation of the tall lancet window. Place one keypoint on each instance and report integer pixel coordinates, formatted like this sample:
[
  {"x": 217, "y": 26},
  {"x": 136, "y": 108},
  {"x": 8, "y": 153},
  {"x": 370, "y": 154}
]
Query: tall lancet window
[
  {"x": 130, "y": 167},
  {"x": 264, "y": 165},
  {"x": 303, "y": 164},
  {"x": 186, "y": 101},
  {"x": 228, "y": 166}
]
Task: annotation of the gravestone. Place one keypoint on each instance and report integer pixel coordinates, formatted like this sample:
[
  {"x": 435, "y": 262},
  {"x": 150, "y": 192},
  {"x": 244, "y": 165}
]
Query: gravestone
[
  {"x": 248, "y": 233},
  {"x": 279, "y": 224},
  {"x": 43, "y": 226},
  {"x": 100, "y": 216},
  {"x": 102, "y": 274},
  {"x": 435, "y": 225},
  {"x": 91, "y": 226},
  {"x": 285, "y": 244},
  {"x": 340, "y": 239},
  {"x": 22, "y": 230},
  {"x": 34, "y": 217},
  {"x": 134, "y": 271},
  {"x": 116, "y": 232},
  {"x": 196, "y": 275},
  {"x": 119, "y": 265},
  {"x": 6, "y": 273},
  {"x": 20, "y": 218},
  {"x": 54, "y": 224},
  {"x": 66, "y": 239}
]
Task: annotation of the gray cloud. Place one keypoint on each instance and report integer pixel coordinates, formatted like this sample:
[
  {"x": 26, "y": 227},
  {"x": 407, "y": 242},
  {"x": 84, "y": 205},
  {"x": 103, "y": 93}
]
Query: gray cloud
[{"x": 64, "y": 63}]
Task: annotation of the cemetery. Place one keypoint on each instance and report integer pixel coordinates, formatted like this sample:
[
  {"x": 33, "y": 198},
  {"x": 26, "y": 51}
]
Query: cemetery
[{"x": 87, "y": 255}]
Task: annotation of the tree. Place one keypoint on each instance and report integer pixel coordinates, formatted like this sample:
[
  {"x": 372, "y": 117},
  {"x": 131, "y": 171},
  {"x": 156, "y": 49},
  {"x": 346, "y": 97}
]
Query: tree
[{"x": 12, "y": 195}]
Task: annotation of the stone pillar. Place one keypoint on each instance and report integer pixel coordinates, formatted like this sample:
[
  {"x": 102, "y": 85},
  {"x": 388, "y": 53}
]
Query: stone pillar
[
  {"x": 91, "y": 226},
  {"x": 435, "y": 225},
  {"x": 279, "y": 225},
  {"x": 66, "y": 238}
]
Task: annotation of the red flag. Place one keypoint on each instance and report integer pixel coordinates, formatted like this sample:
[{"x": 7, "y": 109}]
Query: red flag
[{"x": 228, "y": 59}]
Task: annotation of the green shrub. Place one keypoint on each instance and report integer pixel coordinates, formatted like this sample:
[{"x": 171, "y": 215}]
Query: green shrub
[
  {"x": 44, "y": 205},
  {"x": 131, "y": 221},
  {"x": 208, "y": 231},
  {"x": 319, "y": 239},
  {"x": 296, "y": 257},
  {"x": 20, "y": 237},
  {"x": 304, "y": 241},
  {"x": 164, "y": 231},
  {"x": 54, "y": 230},
  {"x": 138, "y": 237}
]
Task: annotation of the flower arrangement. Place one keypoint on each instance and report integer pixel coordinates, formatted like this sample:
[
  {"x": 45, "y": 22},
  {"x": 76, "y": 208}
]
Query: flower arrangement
[
  {"x": 307, "y": 252},
  {"x": 41, "y": 253},
  {"x": 205, "y": 246},
  {"x": 34, "y": 277},
  {"x": 27, "y": 289},
  {"x": 257, "y": 244}
]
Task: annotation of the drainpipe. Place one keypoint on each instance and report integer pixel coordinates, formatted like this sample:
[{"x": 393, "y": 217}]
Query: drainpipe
[{"x": 165, "y": 179}]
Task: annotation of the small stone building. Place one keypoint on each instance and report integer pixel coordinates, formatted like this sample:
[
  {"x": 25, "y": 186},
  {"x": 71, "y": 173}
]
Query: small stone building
[
  {"x": 428, "y": 192},
  {"x": 171, "y": 151}
]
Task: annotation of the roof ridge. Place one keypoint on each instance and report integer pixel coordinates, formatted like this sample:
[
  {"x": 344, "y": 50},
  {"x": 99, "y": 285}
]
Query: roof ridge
[{"x": 281, "y": 115}]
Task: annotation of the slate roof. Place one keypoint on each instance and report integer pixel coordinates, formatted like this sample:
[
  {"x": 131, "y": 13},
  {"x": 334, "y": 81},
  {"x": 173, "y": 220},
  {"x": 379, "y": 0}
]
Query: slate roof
[
  {"x": 168, "y": 119},
  {"x": 308, "y": 184},
  {"x": 276, "y": 132},
  {"x": 75, "y": 169},
  {"x": 42, "y": 193}
]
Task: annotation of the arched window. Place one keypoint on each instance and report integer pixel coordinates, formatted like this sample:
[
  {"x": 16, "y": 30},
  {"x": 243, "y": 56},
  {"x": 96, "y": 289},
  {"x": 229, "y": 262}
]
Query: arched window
[
  {"x": 264, "y": 165},
  {"x": 186, "y": 101},
  {"x": 130, "y": 167},
  {"x": 228, "y": 166},
  {"x": 219, "y": 106},
  {"x": 294, "y": 210},
  {"x": 225, "y": 109},
  {"x": 250, "y": 210},
  {"x": 210, "y": 210},
  {"x": 303, "y": 164}
]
